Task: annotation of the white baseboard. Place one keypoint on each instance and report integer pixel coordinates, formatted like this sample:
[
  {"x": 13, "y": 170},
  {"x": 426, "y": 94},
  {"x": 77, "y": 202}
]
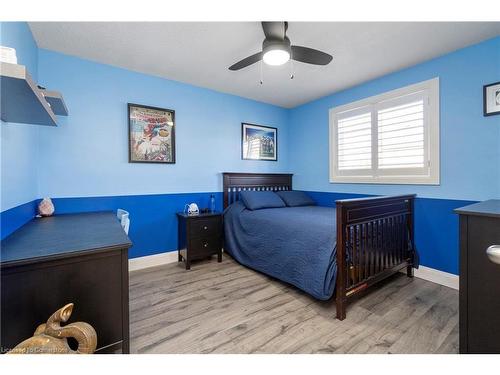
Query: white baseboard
[
  {"x": 426, "y": 273},
  {"x": 140, "y": 263},
  {"x": 439, "y": 277}
]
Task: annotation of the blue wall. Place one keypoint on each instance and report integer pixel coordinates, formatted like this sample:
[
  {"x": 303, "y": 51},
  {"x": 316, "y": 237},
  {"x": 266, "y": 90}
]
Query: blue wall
[
  {"x": 86, "y": 157},
  {"x": 93, "y": 140},
  {"x": 18, "y": 142},
  {"x": 469, "y": 142},
  {"x": 83, "y": 163},
  {"x": 153, "y": 226},
  {"x": 469, "y": 147}
]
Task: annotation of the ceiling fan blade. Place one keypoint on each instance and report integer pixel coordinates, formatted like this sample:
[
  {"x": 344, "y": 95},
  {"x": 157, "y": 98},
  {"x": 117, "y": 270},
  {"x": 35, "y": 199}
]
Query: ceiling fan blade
[
  {"x": 275, "y": 30},
  {"x": 247, "y": 61},
  {"x": 310, "y": 55}
]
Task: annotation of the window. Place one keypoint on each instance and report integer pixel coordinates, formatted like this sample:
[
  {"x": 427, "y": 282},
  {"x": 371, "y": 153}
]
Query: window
[{"x": 388, "y": 138}]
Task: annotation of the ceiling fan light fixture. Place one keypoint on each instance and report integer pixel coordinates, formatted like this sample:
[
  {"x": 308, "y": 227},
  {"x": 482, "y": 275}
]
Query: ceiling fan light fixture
[
  {"x": 276, "y": 52},
  {"x": 276, "y": 57},
  {"x": 277, "y": 49}
]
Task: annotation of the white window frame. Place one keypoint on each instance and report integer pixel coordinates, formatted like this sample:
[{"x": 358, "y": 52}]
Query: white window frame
[{"x": 430, "y": 91}]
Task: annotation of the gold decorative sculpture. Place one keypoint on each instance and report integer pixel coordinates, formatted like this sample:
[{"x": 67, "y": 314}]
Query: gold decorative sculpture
[{"x": 51, "y": 338}]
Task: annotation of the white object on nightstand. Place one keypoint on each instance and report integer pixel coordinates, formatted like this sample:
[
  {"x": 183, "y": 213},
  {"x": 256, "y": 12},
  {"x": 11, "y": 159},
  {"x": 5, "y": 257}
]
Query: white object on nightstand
[{"x": 192, "y": 209}]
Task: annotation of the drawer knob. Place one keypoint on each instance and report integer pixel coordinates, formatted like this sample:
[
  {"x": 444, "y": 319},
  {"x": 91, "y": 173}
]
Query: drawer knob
[
  {"x": 205, "y": 244},
  {"x": 493, "y": 253},
  {"x": 205, "y": 227}
]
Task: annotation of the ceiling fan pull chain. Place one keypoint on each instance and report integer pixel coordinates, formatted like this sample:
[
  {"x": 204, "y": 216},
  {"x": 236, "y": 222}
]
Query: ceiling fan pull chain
[
  {"x": 261, "y": 74},
  {"x": 292, "y": 75}
]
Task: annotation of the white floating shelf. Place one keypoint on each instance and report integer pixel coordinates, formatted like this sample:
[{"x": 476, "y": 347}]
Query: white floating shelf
[
  {"x": 56, "y": 102},
  {"x": 23, "y": 102}
]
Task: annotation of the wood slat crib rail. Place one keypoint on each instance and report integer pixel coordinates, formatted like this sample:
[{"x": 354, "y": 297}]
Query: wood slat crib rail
[{"x": 374, "y": 240}]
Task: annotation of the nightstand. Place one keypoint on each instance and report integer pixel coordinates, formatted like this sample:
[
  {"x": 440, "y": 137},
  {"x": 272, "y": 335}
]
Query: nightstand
[{"x": 200, "y": 236}]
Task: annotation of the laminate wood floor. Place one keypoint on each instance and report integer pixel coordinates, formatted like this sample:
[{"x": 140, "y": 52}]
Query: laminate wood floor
[{"x": 227, "y": 308}]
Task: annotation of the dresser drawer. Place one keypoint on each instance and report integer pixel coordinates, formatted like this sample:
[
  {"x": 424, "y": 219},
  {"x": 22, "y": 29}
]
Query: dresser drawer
[
  {"x": 205, "y": 227},
  {"x": 479, "y": 291},
  {"x": 483, "y": 285},
  {"x": 205, "y": 246}
]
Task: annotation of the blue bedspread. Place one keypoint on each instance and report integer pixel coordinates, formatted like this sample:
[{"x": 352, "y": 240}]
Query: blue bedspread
[{"x": 292, "y": 244}]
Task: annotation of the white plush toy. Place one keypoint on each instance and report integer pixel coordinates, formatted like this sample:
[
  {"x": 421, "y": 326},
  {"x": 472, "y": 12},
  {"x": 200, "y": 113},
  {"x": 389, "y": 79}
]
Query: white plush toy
[{"x": 46, "y": 207}]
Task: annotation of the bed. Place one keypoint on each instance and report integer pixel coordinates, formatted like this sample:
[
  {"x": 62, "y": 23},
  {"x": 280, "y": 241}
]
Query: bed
[{"x": 325, "y": 251}]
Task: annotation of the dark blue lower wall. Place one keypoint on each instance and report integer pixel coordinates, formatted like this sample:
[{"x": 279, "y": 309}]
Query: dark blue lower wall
[
  {"x": 16, "y": 217},
  {"x": 153, "y": 227},
  {"x": 436, "y": 228},
  {"x": 436, "y": 232},
  {"x": 153, "y": 223}
]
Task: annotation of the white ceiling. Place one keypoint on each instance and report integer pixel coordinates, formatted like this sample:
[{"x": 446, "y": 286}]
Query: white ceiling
[{"x": 200, "y": 52}]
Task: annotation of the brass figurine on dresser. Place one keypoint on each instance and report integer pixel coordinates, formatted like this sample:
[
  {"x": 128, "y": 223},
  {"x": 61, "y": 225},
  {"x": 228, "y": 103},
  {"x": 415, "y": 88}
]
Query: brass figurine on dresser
[{"x": 51, "y": 338}]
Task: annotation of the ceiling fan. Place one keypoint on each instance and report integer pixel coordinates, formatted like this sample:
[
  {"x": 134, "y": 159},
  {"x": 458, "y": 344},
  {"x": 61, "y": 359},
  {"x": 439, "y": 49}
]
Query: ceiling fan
[{"x": 277, "y": 49}]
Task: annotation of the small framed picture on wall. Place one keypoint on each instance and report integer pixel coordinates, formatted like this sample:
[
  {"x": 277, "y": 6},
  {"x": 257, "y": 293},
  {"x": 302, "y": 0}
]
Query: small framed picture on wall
[
  {"x": 259, "y": 142},
  {"x": 491, "y": 98},
  {"x": 151, "y": 134}
]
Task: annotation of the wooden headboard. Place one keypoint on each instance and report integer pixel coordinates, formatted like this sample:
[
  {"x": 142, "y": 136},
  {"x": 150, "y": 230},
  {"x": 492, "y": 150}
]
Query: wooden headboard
[{"x": 233, "y": 183}]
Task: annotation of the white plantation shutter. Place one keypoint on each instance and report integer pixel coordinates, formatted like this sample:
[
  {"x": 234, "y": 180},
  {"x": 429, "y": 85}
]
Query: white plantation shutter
[
  {"x": 390, "y": 138},
  {"x": 401, "y": 134},
  {"x": 354, "y": 142}
]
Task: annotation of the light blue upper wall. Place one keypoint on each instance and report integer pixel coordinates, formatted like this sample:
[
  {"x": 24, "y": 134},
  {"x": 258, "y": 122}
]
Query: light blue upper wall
[
  {"x": 19, "y": 142},
  {"x": 87, "y": 155},
  {"x": 470, "y": 143}
]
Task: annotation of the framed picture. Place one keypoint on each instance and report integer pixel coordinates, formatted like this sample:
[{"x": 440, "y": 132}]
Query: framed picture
[
  {"x": 151, "y": 134},
  {"x": 259, "y": 142},
  {"x": 491, "y": 98}
]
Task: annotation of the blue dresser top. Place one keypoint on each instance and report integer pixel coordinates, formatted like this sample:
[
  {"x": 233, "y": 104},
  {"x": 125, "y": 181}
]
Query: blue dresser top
[
  {"x": 487, "y": 208},
  {"x": 63, "y": 235}
]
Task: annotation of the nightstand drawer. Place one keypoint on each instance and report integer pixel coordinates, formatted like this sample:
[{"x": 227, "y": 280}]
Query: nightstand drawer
[
  {"x": 205, "y": 227},
  {"x": 205, "y": 246},
  {"x": 199, "y": 236}
]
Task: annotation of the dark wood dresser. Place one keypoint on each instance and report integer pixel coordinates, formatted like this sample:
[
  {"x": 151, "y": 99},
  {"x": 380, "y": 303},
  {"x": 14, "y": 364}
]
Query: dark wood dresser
[
  {"x": 79, "y": 258},
  {"x": 480, "y": 277},
  {"x": 200, "y": 236}
]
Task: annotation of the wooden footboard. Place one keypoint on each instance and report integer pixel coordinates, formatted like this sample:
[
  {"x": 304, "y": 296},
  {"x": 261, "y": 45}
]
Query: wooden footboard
[{"x": 374, "y": 240}]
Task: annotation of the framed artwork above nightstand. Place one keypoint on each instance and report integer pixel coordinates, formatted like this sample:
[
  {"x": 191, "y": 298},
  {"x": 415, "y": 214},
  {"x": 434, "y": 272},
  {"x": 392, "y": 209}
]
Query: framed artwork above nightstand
[{"x": 259, "y": 142}]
